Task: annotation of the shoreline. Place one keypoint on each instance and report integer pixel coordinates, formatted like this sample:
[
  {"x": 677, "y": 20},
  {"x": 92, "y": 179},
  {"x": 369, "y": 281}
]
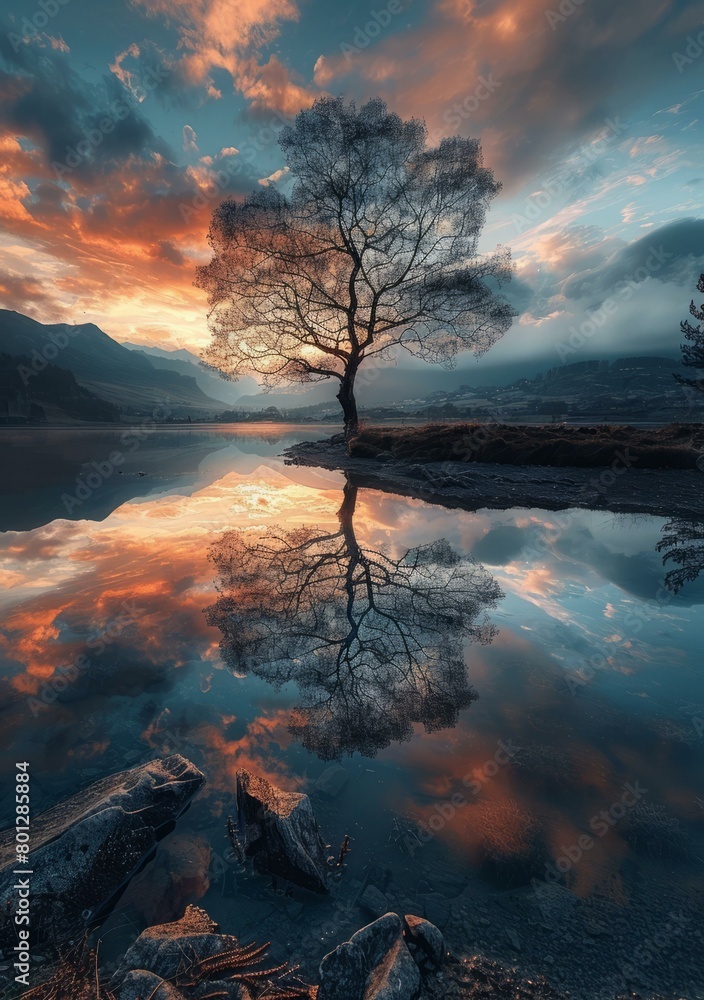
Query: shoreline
[{"x": 478, "y": 485}]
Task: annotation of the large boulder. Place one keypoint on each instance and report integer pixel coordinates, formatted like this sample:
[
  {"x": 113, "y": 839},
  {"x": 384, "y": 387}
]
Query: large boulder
[
  {"x": 374, "y": 964},
  {"x": 165, "y": 962},
  {"x": 279, "y": 832},
  {"x": 85, "y": 849}
]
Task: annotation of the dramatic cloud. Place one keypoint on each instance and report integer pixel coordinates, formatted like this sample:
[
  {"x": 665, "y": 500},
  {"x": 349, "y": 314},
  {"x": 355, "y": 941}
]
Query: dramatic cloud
[
  {"x": 672, "y": 253},
  {"x": 87, "y": 182},
  {"x": 527, "y": 81},
  {"x": 229, "y": 35}
]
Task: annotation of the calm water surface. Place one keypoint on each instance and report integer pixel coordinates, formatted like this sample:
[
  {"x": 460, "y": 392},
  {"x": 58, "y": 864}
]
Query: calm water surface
[{"x": 516, "y": 696}]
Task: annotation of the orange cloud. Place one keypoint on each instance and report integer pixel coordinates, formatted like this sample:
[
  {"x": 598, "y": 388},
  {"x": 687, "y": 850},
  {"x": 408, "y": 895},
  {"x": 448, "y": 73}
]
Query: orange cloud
[
  {"x": 501, "y": 70},
  {"x": 228, "y": 35}
]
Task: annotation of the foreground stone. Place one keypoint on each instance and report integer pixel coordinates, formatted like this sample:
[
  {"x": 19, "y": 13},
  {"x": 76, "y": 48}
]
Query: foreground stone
[
  {"x": 280, "y": 834},
  {"x": 374, "y": 964},
  {"x": 168, "y": 955},
  {"x": 426, "y": 943},
  {"x": 85, "y": 849}
]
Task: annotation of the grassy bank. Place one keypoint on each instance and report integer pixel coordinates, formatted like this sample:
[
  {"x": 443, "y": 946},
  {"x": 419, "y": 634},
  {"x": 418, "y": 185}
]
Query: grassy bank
[{"x": 676, "y": 446}]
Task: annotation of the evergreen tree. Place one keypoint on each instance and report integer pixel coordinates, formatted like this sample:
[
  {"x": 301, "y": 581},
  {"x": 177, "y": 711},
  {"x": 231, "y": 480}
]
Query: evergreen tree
[{"x": 693, "y": 352}]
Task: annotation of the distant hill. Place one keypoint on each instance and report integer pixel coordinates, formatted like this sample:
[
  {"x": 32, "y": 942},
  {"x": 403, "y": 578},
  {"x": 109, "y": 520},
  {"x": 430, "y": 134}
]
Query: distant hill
[
  {"x": 186, "y": 363},
  {"x": 49, "y": 396},
  {"x": 640, "y": 388},
  {"x": 114, "y": 373}
]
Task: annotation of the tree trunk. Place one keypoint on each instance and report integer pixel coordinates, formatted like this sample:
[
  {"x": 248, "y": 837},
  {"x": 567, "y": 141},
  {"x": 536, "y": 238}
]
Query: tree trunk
[{"x": 348, "y": 402}]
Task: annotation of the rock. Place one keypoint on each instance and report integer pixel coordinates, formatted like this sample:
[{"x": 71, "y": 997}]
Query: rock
[
  {"x": 514, "y": 939},
  {"x": 374, "y": 901},
  {"x": 425, "y": 940},
  {"x": 374, "y": 964},
  {"x": 164, "y": 956},
  {"x": 179, "y": 874},
  {"x": 85, "y": 849},
  {"x": 332, "y": 780},
  {"x": 139, "y": 984},
  {"x": 280, "y": 833}
]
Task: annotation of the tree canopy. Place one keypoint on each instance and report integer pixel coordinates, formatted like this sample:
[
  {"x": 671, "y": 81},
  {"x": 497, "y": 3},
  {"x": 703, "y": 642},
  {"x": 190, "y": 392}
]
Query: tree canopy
[{"x": 374, "y": 247}]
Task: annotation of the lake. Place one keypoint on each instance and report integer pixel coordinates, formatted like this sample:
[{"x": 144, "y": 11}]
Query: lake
[{"x": 515, "y": 696}]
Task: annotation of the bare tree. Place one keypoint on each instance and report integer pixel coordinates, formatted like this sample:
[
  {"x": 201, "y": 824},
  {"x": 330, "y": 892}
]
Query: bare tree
[
  {"x": 375, "y": 247},
  {"x": 373, "y": 641}
]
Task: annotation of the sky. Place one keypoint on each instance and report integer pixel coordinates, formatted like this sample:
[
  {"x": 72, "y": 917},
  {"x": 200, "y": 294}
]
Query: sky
[{"x": 122, "y": 124}]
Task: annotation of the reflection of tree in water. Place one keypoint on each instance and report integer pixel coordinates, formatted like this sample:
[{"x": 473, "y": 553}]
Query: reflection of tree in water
[
  {"x": 374, "y": 642},
  {"x": 683, "y": 544}
]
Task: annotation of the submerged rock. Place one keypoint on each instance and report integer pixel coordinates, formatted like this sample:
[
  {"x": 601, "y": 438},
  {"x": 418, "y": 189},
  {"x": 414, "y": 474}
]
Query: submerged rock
[
  {"x": 374, "y": 964},
  {"x": 279, "y": 832},
  {"x": 85, "y": 849},
  {"x": 374, "y": 901},
  {"x": 168, "y": 955},
  {"x": 332, "y": 780}
]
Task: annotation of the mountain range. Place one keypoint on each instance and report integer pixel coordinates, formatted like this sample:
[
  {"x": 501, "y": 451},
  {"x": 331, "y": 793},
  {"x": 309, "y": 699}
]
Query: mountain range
[
  {"x": 59, "y": 373},
  {"x": 132, "y": 382},
  {"x": 187, "y": 363}
]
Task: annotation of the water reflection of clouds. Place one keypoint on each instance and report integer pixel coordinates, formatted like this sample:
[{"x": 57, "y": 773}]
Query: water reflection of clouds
[
  {"x": 160, "y": 681},
  {"x": 570, "y": 759}
]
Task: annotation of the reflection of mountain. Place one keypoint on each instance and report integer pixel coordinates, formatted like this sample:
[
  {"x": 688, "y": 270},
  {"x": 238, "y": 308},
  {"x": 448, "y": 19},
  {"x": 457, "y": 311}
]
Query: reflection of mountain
[
  {"x": 373, "y": 639},
  {"x": 49, "y": 464},
  {"x": 683, "y": 544},
  {"x": 125, "y": 378}
]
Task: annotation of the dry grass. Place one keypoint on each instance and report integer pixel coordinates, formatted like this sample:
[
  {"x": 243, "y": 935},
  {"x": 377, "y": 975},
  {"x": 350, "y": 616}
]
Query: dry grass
[
  {"x": 676, "y": 446},
  {"x": 77, "y": 977}
]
